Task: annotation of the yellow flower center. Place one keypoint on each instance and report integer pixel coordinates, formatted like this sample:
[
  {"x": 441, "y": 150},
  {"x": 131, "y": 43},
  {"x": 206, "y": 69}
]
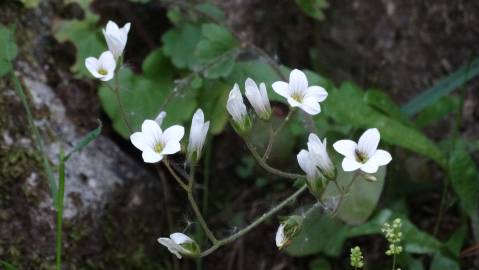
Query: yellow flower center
[
  {"x": 158, "y": 147},
  {"x": 102, "y": 71},
  {"x": 297, "y": 97},
  {"x": 361, "y": 157}
]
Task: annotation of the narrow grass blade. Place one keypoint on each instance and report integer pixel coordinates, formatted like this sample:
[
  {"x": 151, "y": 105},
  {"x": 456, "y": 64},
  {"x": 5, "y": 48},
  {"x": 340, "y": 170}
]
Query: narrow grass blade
[
  {"x": 86, "y": 140},
  {"x": 60, "y": 197},
  {"x": 442, "y": 88}
]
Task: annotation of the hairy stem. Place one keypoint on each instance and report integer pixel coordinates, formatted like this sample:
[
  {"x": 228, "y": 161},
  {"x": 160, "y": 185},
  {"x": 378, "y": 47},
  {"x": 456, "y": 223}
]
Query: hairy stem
[
  {"x": 195, "y": 207},
  {"x": 268, "y": 168},
  {"x": 175, "y": 176},
  {"x": 274, "y": 133},
  {"x": 255, "y": 223}
]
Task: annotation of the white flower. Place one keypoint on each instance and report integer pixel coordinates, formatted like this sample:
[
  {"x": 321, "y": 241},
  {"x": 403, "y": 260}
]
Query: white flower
[
  {"x": 154, "y": 143},
  {"x": 319, "y": 154},
  {"x": 280, "y": 238},
  {"x": 235, "y": 105},
  {"x": 116, "y": 37},
  {"x": 180, "y": 244},
  {"x": 364, "y": 155},
  {"x": 159, "y": 119},
  {"x": 307, "y": 164},
  {"x": 102, "y": 68},
  {"x": 258, "y": 97},
  {"x": 198, "y": 131},
  {"x": 299, "y": 94}
]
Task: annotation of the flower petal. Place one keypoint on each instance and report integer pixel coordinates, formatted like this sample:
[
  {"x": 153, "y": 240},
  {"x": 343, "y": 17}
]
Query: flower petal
[
  {"x": 281, "y": 88},
  {"x": 171, "y": 147},
  {"x": 369, "y": 141},
  {"x": 370, "y": 167},
  {"x": 142, "y": 141},
  {"x": 180, "y": 238},
  {"x": 311, "y": 106},
  {"x": 297, "y": 81},
  {"x": 316, "y": 92},
  {"x": 346, "y": 148},
  {"x": 151, "y": 128},
  {"x": 173, "y": 133},
  {"x": 92, "y": 64},
  {"x": 380, "y": 157},
  {"x": 350, "y": 165},
  {"x": 171, "y": 245},
  {"x": 280, "y": 237},
  {"x": 107, "y": 61},
  {"x": 150, "y": 156}
]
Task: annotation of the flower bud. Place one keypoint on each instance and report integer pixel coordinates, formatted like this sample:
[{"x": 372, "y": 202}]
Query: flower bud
[
  {"x": 159, "y": 119},
  {"x": 116, "y": 37},
  {"x": 313, "y": 177},
  {"x": 258, "y": 98},
  {"x": 180, "y": 244},
  {"x": 320, "y": 156},
  {"x": 198, "y": 132},
  {"x": 237, "y": 109},
  {"x": 288, "y": 230}
]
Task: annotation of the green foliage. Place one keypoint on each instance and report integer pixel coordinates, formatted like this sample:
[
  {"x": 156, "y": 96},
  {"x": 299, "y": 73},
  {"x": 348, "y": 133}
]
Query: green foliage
[
  {"x": 320, "y": 234},
  {"x": 338, "y": 106},
  {"x": 179, "y": 45},
  {"x": 86, "y": 37},
  {"x": 8, "y": 50},
  {"x": 142, "y": 97},
  {"x": 30, "y": 3},
  {"x": 440, "y": 261},
  {"x": 314, "y": 8},
  {"x": 215, "y": 49},
  {"x": 437, "y": 111},
  {"x": 320, "y": 264},
  {"x": 7, "y": 265},
  {"x": 442, "y": 88},
  {"x": 464, "y": 177},
  {"x": 358, "y": 204},
  {"x": 88, "y": 138}
]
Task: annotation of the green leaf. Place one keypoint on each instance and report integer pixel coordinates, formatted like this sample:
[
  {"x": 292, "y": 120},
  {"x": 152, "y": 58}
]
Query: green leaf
[
  {"x": 87, "y": 38},
  {"x": 313, "y": 8},
  {"x": 415, "y": 240},
  {"x": 142, "y": 98},
  {"x": 218, "y": 40},
  {"x": 8, "y": 50},
  {"x": 437, "y": 111},
  {"x": 7, "y": 266},
  {"x": 156, "y": 64},
  {"x": 320, "y": 264},
  {"x": 212, "y": 10},
  {"x": 180, "y": 43},
  {"x": 92, "y": 135},
  {"x": 440, "y": 261},
  {"x": 358, "y": 204},
  {"x": 338, "y": 106},
  {"x": 464, "y": 177},
  {"x": 212, "y": 99},
  {"x": 320, "y": 233},
  {"x": 442, "y": 88},
  {"x": 383, "y": 103}
]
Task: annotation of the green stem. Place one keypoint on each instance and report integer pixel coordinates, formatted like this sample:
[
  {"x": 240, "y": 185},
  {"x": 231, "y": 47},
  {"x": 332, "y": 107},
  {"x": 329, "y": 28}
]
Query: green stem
[
  {"x": 60, "y": 198},
  {"x": 122, "y": 109},
  {"x": 394, "y": 262},
  {"x": 275, "y": 133},
  {"x": 175, "y": 176},
  {"x": 195, "y": 207},
  {"x": 255, "y": 223},
  {"x": 268, "y": 168}
]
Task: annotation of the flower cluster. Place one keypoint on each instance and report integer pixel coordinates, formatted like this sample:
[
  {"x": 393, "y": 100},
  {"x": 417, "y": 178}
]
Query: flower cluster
[
  {"x": 393, "y": 236},
  {"x": 156, "y": 143},
  {"x": 357, "y": 259},
  {"x": 104, "y": 67}
]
